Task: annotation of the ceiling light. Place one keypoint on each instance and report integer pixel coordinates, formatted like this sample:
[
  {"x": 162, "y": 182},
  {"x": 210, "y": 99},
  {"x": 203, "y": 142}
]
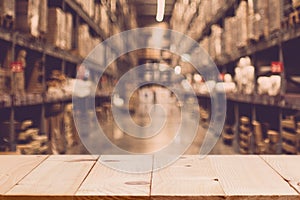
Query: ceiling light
[
  {"x": 177, "y": 70},
  {"x": 160, "y": 10}
]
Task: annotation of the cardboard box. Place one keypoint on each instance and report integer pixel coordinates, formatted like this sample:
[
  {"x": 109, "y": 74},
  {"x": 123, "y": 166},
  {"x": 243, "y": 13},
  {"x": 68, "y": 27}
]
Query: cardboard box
[
  {"x": 56, "y": 21},
  {"x": 68, "y": 31},
  {"x": 242, "y": 21},
  {"x": 7, "y": 8},
  {"x": 31, "y": 16},
  {"x": 43, "y": 16},
  {"x": 274, "y": 15}
]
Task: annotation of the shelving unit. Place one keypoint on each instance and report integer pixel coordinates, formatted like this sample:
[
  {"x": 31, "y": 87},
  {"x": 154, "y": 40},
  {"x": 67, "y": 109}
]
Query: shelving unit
[
  {"x": 276, "y": 47},
  {"x": 52, "y": 58}
]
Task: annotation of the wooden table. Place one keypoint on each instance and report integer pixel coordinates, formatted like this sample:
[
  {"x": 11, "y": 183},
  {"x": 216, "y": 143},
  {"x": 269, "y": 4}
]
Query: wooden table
[{"x": 81, "y": 177}]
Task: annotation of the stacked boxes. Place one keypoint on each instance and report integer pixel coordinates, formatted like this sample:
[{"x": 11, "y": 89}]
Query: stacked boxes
[{"x": 31, "y": 17}]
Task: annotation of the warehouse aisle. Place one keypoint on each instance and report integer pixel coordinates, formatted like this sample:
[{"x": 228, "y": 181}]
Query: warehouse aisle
[{"x": 163, "y": 138}]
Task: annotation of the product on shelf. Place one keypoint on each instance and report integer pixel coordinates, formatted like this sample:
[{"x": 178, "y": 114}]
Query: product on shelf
[
  {"x": 30, "y": 141},
  {"x": 4, "y": 80},
  {"x": 60, "y": 27},
  {"x": 35, "y": 84},
  {"x": 215, "y": 49},
  {"x": 274, "y": 15},
  {"x": 55, "y": 85},
  {"x": 290, "y": 135},
  {"x": 262, "y": 10},
  {"x": 244, "y": 76},
  {"x": 296, "y": 3},
  {"x": 7, "y": 13},
  {"x": 31, "y": 16},
  {"x": 245, "y": 135},
  {"x": 230, "y": 35},
  {"x": 228, "y": 134},
  {"x": 5, "y": 130},
  {"x": 104, "y": 20},
  {"x": 269, "y": 85},
  {"x": 88, "y": 6},
  {"x": 68, "y": 31},
  {"x": 242, "y": 19}
]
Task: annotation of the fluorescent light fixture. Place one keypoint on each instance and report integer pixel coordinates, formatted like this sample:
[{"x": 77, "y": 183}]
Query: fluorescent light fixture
[{"x": 160, "y": 10}]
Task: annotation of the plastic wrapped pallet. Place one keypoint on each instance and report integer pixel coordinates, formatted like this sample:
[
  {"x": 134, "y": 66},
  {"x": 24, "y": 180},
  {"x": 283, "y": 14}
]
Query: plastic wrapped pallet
[
  {"x": 242, "y": 19},
  {"x": 56, "y": 24},
  {"x": 274, "y": 15},
  {"x": 7, "y": 8}
]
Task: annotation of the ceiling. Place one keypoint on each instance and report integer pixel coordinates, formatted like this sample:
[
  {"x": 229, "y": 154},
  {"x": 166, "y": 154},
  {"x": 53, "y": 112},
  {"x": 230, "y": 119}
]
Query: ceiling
[{"x": 146, "y": 11}]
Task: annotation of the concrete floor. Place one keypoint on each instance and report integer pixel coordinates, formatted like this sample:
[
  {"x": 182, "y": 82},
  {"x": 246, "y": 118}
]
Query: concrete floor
[{"x": 162, "y": 138}]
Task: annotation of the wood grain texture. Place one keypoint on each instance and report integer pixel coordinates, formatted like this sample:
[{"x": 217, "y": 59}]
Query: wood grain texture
[
  {"x": 188, "y": 178},
  {"x": 58, "y": 177},
  {"x": 13, "y": 168},
  {"x": 106, "y": 183},
  {"x": 287, "y": 166},
  {"x": 242, "y": 176}
]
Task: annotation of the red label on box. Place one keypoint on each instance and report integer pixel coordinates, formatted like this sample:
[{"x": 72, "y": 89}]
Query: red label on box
[
  {"x": 277, "y": 67},
  {"x": 16, "y": 67}
]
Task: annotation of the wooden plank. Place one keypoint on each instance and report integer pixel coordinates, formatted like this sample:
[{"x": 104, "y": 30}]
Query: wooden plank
[
  {"x": 287, "y": 166},
  {"x": 188, "y": 178},
  {"x": 106, "y": 183},
  {"x": 13, "y": 168},
  {"x": 58, "y": 177},
  {"x": 250, "y": 176}
]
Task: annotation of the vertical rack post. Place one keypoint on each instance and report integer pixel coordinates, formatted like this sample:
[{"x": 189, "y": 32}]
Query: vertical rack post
[
  {"x": 12, "y": 134},
  {"x": 43, "y": 112}
]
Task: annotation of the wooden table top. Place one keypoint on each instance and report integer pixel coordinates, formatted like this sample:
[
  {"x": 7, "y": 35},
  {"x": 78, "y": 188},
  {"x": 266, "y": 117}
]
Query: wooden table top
[{"x": 81, "y": 177}]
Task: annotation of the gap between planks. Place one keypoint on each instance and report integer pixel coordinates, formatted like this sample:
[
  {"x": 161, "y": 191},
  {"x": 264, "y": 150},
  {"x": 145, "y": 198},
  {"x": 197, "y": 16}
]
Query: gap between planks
[{"x": 287, "y": 167}]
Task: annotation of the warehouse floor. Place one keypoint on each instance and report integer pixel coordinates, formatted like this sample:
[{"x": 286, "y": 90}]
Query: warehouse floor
[{"x": 160, "y": 140}]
